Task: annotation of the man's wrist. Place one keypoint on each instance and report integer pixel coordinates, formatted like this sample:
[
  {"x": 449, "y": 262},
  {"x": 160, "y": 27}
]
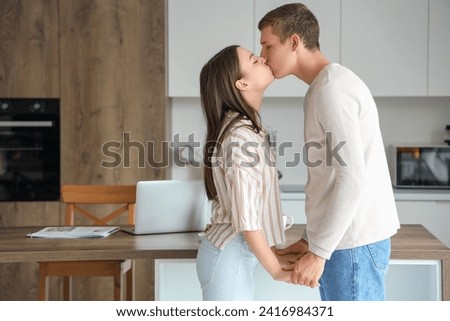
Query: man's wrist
[{"x": 316, "y": 256}]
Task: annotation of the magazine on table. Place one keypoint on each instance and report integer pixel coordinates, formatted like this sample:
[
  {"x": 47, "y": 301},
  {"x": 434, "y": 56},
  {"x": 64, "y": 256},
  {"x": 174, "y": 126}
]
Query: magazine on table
[{"x": 74, "y": 232}]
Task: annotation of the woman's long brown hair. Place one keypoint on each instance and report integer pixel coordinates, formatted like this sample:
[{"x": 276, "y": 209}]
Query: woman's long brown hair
[{"x": 219, "y": 95}]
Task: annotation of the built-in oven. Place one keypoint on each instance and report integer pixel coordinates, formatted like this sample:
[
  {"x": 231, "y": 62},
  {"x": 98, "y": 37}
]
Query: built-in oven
[{"x": 29, "y": 149}]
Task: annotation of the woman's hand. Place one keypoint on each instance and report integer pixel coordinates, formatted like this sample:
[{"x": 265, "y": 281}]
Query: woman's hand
[
  {"x": 266, "y": 256},
  {"x": 289, "y": 255},
  {"x": 282, "y": 275}
]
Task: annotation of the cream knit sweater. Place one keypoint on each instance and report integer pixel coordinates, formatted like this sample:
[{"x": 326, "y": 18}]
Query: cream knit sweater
[{"x": 349, "y": 197}]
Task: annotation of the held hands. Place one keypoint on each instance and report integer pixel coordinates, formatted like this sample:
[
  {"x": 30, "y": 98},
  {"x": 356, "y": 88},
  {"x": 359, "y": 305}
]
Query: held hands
[
  {"x": 289, "y": 255},
  {"x": 266, "y": 255},
  {"x": 306, "y": 267},
  {"x": 282, "y": 275},
  {"x": 308, "y": 270}
]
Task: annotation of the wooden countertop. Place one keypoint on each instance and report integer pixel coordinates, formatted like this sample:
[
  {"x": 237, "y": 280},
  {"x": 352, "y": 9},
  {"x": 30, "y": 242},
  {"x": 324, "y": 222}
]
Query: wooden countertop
[
  {"x": 16, "y": 247},
  {"x": 410, "y": 243}
]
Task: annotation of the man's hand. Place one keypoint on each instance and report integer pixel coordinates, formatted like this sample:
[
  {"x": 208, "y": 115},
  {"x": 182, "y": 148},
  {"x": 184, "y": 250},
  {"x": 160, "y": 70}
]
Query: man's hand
[{"x": 308, "y": 270}]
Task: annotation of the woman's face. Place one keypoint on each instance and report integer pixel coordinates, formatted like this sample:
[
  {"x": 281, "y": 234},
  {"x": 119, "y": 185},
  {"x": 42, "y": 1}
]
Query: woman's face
[{"x": 256, "y": 75}]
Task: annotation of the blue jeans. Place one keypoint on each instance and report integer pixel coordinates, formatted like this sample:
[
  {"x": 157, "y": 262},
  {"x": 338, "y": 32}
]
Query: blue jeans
[
  {"x": 356, "y": 274},
  {"x": 227, "y": 274}
]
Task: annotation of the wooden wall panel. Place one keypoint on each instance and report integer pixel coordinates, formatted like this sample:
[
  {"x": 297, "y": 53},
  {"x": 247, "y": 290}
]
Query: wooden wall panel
[
  {"x": 29, "y": 67},
  {"x": 112, "y": 85},
  {"x": 105, "y": 60},
  {"x": 29, "y": 55}
]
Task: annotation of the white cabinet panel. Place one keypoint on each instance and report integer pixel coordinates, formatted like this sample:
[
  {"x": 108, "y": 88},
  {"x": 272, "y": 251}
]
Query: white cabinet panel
[
  {"x": 198, "y": 29},
  {"x": 399, "y": 48},
  {"x": 439, "y": 48},
  {"x": 433, "y": 215},
  {"x": 328, "y": 14},
  {"x": 414, "y": 280},
  {"x": 385, "y": 43},
  {"x": 295, "y": 208},
  {"x": 407, "y": 280},
  {"x": 176, "y": 280}
]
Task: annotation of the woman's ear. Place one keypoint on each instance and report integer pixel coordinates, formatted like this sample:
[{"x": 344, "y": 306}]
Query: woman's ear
[{"x": 240, "y": 84}]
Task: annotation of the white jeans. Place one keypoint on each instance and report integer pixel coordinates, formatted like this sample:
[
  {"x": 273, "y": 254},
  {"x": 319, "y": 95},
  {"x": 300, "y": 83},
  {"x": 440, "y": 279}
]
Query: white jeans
[{"x": 227, "y": 274}]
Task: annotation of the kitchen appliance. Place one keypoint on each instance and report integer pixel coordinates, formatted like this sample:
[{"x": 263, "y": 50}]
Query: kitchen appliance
[
  {"x": 29, "y": 149},
  {"x": 447, "y": 135},
  {"x": 421, "y": 167}
]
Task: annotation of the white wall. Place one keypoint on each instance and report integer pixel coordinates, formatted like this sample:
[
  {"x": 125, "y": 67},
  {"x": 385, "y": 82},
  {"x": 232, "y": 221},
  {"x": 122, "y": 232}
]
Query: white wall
[{"x": 403, "y": 120}]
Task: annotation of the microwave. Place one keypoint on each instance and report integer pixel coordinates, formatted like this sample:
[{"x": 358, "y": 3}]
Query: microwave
[{"x": 421, "y": 167}]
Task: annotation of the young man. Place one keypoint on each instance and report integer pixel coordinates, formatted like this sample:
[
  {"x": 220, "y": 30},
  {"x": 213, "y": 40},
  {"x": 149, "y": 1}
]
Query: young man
[{"x": 350, "y": 206}]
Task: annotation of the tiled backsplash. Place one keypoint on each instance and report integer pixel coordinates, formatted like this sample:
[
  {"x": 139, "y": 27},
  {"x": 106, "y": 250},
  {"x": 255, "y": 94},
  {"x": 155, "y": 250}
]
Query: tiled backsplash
[{"x": 403, "y": 120}]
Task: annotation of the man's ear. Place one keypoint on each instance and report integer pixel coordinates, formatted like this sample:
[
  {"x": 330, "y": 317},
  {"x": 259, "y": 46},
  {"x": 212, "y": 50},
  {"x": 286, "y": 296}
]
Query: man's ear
[
  {"x": 240, "y": 84},
  {"x": 295, "y": 41}
]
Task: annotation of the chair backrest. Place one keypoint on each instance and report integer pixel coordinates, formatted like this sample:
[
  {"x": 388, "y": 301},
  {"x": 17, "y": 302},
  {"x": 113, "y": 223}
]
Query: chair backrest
[{"x": 76, "y": 195}]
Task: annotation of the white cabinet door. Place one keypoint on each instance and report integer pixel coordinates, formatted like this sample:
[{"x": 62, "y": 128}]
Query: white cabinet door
[
  {"x": 433, "y": 215},
  {"x": 198, "y": 29},
  {"x": 439, "y": 48},
  {"x": 416, "y": 280},
  {"x": 296, "y": 209},
  {"x": 328, "y": 14},
  {"x": 385, "y": 43},
  {"x": 176, "y": 280}
]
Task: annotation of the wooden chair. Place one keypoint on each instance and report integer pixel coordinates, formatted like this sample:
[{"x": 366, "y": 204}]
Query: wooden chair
[{"x": 120, "y": 270}]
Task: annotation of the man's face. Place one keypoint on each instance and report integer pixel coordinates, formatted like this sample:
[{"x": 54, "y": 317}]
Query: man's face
[{"x": 277, "y": 54}]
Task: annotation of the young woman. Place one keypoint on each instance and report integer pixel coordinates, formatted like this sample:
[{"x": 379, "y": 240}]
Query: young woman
[{"x": 240, "y": 178}]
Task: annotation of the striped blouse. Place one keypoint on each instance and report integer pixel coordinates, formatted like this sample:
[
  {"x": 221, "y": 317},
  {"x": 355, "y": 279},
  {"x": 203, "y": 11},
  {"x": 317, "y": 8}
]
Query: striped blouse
[{"x": 246, "y": 180}]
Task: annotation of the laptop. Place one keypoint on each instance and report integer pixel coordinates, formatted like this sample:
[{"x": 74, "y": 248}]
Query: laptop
[{"x": 169, "y": 206}]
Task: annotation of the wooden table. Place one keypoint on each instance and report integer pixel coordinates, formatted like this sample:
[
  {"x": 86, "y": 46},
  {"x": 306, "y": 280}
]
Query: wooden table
[{"x": 412, "y": 242}]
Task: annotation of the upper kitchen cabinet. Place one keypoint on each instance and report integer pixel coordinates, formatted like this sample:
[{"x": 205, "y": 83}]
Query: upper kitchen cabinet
[
  {"x": 29, "y": 53},
  {"x": 198, "y": 29},
  {"x": 385, "y": 43},
  {"x": 328, "y": 15},
  {"x": 439, "y": 48}
]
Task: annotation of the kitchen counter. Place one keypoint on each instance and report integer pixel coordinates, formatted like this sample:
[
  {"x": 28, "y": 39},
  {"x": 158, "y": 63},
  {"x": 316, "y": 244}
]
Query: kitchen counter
[
  {"x": 297, "y": 192},
  {"x": 412, "y": 242},
  {"x": 292, "y": 192}
]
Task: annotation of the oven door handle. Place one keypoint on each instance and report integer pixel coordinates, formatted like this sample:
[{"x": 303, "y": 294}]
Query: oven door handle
[{"x": 18, "y": 123}]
